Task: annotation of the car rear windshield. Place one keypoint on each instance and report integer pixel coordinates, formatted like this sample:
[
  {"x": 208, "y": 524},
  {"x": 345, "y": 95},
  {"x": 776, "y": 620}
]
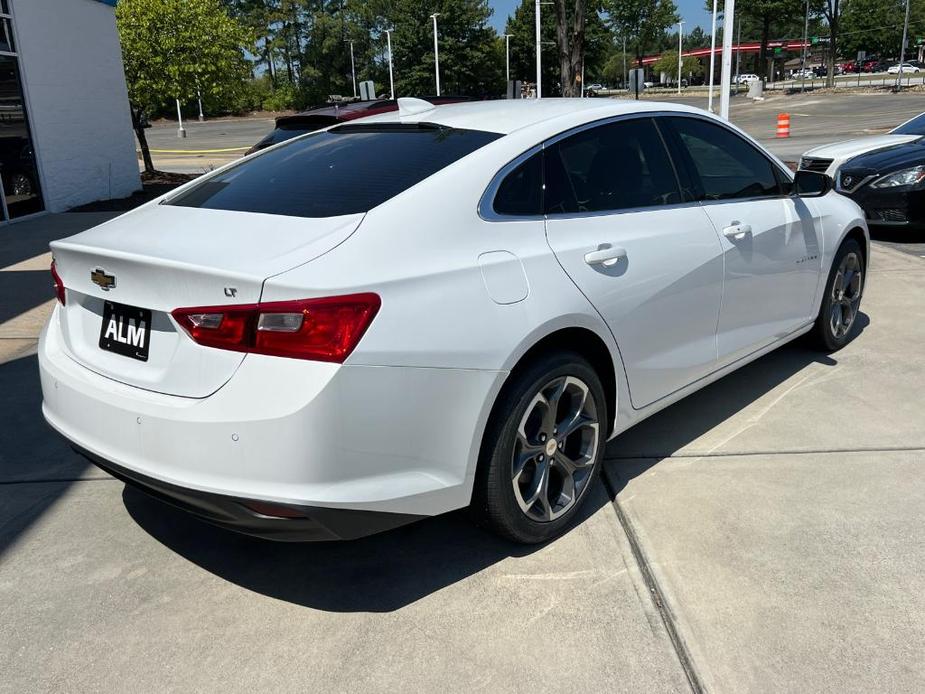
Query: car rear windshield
[
  {"x": 916, "y": 126},
  {"x": 345, "y": 170}
]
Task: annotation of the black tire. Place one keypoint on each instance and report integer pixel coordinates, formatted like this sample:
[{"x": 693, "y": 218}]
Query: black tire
[
  {"x": 495, "y": 503},
  {"x": 827, "y": 334}
]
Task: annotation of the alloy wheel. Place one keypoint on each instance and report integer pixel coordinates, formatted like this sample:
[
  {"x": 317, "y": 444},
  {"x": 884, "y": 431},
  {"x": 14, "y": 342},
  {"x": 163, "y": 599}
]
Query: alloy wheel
[
  {"x": 846, "y": 295},
  {"x": 554, "y": 455}
]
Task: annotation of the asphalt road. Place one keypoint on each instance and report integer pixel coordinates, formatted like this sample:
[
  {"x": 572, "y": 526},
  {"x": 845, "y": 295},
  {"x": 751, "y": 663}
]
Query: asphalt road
[
  {"x": 765, "y": 534},
  {"x": 815, "y": 119}
]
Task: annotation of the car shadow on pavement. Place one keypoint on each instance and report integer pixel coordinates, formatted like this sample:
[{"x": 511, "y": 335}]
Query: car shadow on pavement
[
  {"x": 380, "y": 573},
  {"x": 387, "y": 571}
]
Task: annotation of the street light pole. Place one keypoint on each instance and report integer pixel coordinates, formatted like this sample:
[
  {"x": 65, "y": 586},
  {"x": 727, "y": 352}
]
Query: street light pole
[
  {"x": 436, "y": 52},
  {"x": 805, "y": 37},
  {"x": 680, "y": 59},
  {"x": 726, "y": 78},
  {"x": 507, "y": 56},
  {"x": 902, "y": 50},
  {"x": 180, "y": 131},
  {"x": 713, "y": 57},
  {"x": 539, "y": 55},
  {"x": 353, "y": 69},
  {"x": 388, "y": 38}
]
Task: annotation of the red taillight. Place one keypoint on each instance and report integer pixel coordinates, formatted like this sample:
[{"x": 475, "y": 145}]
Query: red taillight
[
  {"x": 59, "y": 285},
  {"x": 326, "y": 329}
]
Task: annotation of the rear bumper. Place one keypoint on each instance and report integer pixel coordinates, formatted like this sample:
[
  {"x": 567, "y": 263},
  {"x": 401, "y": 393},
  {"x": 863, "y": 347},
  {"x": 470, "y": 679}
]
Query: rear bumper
[
  {"x": 394, "y": 440},
  {"x": 295, "y": 524}
]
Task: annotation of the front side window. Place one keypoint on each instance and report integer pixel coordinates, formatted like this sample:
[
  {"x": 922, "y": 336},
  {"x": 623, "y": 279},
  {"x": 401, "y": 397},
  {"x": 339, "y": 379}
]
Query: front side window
[
  {"x": 727, "y": 165},
  {"x": 345, "y": 170},
  {"x": 616, "y": 166}
]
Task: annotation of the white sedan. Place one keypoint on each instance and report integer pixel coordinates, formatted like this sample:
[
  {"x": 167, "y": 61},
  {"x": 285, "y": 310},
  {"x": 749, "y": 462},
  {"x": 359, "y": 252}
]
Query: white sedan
[
  {"x": 434, "y": 309},
  {"x": 905, "y": 68}
]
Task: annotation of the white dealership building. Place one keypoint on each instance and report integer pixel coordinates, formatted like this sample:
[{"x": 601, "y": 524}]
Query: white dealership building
[{"x": 65, "y": 128}]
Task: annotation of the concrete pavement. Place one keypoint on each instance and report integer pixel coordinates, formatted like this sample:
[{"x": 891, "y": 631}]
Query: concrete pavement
[{"x": 767, "y": 535}]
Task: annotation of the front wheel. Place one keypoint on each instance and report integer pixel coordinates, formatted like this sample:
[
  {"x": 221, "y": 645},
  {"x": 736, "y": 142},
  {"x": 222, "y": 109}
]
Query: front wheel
[
  {"x": 842, "y": 300},
  {"x": 542, "y": 449}
]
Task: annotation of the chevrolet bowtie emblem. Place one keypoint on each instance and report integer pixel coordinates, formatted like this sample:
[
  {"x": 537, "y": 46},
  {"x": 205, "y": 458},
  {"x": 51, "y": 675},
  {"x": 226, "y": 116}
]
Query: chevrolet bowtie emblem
[{"x": 104, "y": 281}]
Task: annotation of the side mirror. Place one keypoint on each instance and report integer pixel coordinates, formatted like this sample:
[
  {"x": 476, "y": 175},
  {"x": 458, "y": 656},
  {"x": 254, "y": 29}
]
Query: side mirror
[{"x": 811, "y": 184}]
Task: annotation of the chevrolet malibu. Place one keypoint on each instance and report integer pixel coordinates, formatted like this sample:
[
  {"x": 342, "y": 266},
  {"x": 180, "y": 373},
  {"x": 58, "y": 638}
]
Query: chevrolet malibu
[{"x": 436, "y": 308}]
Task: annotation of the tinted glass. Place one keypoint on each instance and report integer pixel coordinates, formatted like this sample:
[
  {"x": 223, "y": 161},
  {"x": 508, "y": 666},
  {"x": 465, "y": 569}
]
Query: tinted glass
[
  {"x": 281, "y": 135},
  {"x": 727, "y": 165},
  {"x": 916, "y": 126},
  {"x": 616, "y": 166},
  {"x": 349, "y": 169},
  {"x": 521, "y": 191},
  {"x": 17, "y": 160}
]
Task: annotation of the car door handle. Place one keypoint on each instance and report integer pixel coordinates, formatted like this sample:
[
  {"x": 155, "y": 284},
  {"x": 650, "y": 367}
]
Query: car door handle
[
  {"x": 737, "y": 231},
  {"x": 606, "y": 255}
]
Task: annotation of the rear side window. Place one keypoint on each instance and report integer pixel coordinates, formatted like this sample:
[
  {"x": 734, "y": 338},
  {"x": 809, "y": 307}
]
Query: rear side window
[
  {"x": 521, "y": 191},
  {"x": 727, "y": 165},
  {"x": 345, "y": 170},
  {"x": 616, "y": 166}
]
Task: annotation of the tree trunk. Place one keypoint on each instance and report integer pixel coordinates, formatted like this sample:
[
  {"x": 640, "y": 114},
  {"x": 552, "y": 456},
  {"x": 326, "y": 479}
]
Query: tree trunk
[
  {"x": 763, "y": 49},
  {"x": 138, "y": 126},
  {"x": 571, "y": 38}
]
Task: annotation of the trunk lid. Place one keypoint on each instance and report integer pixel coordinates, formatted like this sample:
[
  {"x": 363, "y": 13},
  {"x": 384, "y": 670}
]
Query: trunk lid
[{"x": 161, "y": 258}]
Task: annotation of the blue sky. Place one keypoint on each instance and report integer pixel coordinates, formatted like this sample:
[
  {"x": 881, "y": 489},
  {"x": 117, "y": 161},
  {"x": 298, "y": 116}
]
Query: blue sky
[{"x": 691, "y": 11}]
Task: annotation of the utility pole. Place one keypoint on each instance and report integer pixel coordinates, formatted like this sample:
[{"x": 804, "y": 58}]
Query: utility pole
[
  {"x": 902, "y": 50},
  {"x": 353, "y": 69},
  {"x": 738, "y": 52},
  {"x": 626, "y": 85},
  {"x": 388, "y": 38},
  {"x": 803, "y": 61},
  {"x": 680, "y": 59},
  {"x": 712, "y": 57},
  {"x": 726, "y": 78},
  {"x": 539, "y": 55},
  {"x": 436, "y": 52}
]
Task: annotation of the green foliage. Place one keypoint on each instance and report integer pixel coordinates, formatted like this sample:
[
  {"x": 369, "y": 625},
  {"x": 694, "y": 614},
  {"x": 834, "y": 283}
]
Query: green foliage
[
  {"x": 174, "y": 49},
  {"x": 522, "y": 27},
  {"x": 642, "y": 22},
  {"x": 876, "y": 26},
  {"x": 668, "y": 63}
]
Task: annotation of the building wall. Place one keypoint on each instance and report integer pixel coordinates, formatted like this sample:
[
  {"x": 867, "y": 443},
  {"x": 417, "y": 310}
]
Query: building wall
[{"x": 76, "y": 99}]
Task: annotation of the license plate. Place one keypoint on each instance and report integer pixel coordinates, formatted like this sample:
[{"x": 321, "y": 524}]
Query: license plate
[{"x": 126, "y": 330}]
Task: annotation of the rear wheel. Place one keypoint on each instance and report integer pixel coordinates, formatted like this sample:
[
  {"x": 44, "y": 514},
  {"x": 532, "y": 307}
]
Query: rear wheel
[
  {"x": 842, "y": 300},
  {"x": 542, "y": 449}
]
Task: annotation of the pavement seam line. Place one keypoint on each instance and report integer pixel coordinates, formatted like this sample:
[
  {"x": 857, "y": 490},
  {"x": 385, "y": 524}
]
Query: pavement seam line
[
  {"x": 655, "y": 592},
  {"x": 745, "y": 454}
]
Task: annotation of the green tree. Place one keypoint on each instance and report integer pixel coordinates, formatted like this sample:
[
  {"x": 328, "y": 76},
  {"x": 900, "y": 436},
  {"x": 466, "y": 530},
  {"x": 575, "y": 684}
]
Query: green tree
[
  {"x": 668, "y": 63},
  {"x": 642, "y": 22},
  {"x": 765, "y": 20},
  {"x": 596, "y": 44},
  {"x": 176, "y": 49},
  {"x": 471, "y": 56},
  {"x": 876, "y": 26}
]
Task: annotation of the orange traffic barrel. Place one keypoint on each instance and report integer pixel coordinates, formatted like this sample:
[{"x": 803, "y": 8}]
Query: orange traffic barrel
[{"x": 783, "y": 125}]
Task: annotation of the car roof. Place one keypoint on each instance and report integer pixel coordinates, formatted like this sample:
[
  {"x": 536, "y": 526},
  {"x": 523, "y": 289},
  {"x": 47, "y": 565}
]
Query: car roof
[{"x": 509, "y": 115}]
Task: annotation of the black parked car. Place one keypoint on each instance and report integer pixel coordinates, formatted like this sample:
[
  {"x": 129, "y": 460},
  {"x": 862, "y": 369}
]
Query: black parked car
[
  {"x": 288, "y": 127},
  {"x": 889, "y": 183}
]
